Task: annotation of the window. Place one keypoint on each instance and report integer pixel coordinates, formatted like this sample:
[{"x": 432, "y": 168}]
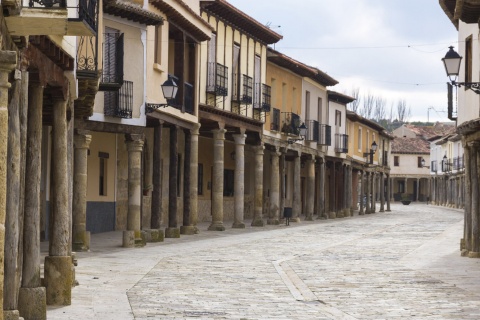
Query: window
[
  {"x": 112, "y": 74},
  {"x": 359, "y": 139},
  {"x": 401, "y": 186},
  {"x": 468, "y": 60},
  {"x": 200, "y": 179},
  {"x": 102, "y": 176},
  {"x": 396, "y": 161},
  {"x": 212, "y": 48},
  {"x": 257, "y": 80},
  {"x": 338, "y": 118},
  {"x": 320, "y": 107},
  {"x": 158, "y": 44},
  {"x": 419, "y": 162},
  {"x": 228, "y": 183},
  {"x": 236, "y": 72},
  {"x": 307, "y": 105}
]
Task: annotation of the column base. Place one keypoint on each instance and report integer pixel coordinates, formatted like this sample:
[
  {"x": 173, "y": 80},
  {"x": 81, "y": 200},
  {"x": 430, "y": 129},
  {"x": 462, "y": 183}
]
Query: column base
[
  {"x": 464, "y": 253},
  {"x": 462, "y": 244},
  {"x": 154, "y": 235},
  {"x": 332, "y": 215},
  {"x": 11, "y": 315},
  {"x": 381, "y": 210},
  {"x": 361, "y": 213},
  {"x": 296, "y": 219},
  {"x": 388, "y": 210},
  {"x": 339, "y": 214},
  {"x": 133, "y": 239},
  {"x": 188, "y": 230},
  {"x": 238, "y": 225},
  {"x": 258, "y": 223},
  {"x": 216, "y": 226},
  {"x": 473, "y": 254},
  {"x": 81, "y": 241},
  {"x": 273, "y": 222},
  {"x": 172, "y": 233},
  {"x": 309, "y": 218},
  {"x": 32, "y": 303},
  {"x": 322, "y": 218},
  {"x": 58, "y": 280}
]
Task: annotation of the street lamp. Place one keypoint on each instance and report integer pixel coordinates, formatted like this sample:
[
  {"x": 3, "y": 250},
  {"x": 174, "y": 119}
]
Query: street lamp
[
  {"x": 373, "y": 149},
  {"x": 302, "y": 133},
  {"x": 452, "y": 61},
  {"x": 169, "y": 90}
]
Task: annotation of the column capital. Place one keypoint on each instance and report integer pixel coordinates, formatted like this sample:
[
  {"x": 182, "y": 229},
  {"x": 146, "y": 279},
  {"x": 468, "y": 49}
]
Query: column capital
[
  {"x": 259, "y": 149},
  {"x": 473, "y": 144},
  {"x": 82, "y": 140},
  {"x": 219, "y": 134},
  {"x": 196, "y": 129},
  {"x": 239, "y": 138},
  {"x": 133, "y": 137},
  {"x": 134, "y": 145},
  {"x": 276, "y": 151},
  {"x": 8, "y": 60}
]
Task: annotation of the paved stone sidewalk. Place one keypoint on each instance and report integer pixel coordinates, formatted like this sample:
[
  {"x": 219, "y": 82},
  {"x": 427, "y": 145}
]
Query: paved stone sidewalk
[{"x": 404, "y": 264}]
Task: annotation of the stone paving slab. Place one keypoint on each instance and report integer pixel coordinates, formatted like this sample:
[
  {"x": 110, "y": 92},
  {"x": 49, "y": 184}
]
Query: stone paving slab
[{"x": 404, "y": 264}]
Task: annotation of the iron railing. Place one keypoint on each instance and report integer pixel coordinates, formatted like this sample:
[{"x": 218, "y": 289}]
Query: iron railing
[
  {"x": 341, "y": 143},
  {"x": 458, "y": 163},
  {"x": 325, "y": 136},
  {"x": 119, "y": 103},
  {"x": 112, "y": 74},
  {"x": 189, "y": 98},
  {"x": 313, "y": 130},
  {"x": 242, "y": 92},
  {"x": 262, "y": 97},
  {"x": 290, "y": 123},
  {"x": 87, "y": 61},
  {"x": 446, "y": 165},
  {"x": 275, "y": 120},
  {"x": 217, "y": 79}
]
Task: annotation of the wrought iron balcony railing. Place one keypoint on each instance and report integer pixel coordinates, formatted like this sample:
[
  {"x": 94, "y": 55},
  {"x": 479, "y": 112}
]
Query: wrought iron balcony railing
[
  {"x": 217, "y": 79},
  {"x": 119, "y": 103},
  {"x": 341, "y": 143},
  {"x": 87, "y": 62},
  {"x": 446, "y": 165},
  {"x": 112, "y": 74},
  {"x": 290, "y": 123},
  {"x": 262, "y": 97},
  {"x": 275, "y": 120},
  {"x": 242, "y": 93},
  {"x": 325, "y": 136},
  {"x": 458, "y": 163},
  {"x": 188, "y": 98},
  {"x": 313, "y": 130}
]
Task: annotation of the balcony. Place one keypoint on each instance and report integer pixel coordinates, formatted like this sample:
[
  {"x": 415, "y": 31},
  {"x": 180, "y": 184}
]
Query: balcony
[
  {"x": 458, "y": 163},
  {"x": 242, "y": 89},
  {"x": 313, "y": 130},
  {"x": 341, "y": 143},
  {"x": 52, "y": 17},
  {"x": 446, "y": 165},
  {"x": 112, "y": 74},
  {"x": 217, "y": 78},
  {"x": 263, "y": 97},
  {"x": 119, "y": 103},
  {"x": 275, "y": 120},
  {"x": 188, "y": 105},
  {"x": 325, "y": 136},
  {"x": 290, "y": 123}
]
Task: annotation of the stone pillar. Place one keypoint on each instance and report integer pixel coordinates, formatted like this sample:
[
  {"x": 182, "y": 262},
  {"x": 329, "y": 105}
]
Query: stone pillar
[
  {"x": 81, "y": 237},
  {"x": 258, "y": 181},
  {"x": 187, "y": 227},
  {"x": 217, "y": 183},
  {"x": 282, "y": 185},
  {"x": 418, "y": 189},
  {"x": 58, "y": 264},
  {"x": 474, "y": 252},
  {"x": 321, "y": 197},
  {"x": 195, "y": 132},
  {"x": 362, "y": 193},
  {"x": 274, "y": 189},
  {"x": 172, "y": 230},
  {"x": 466, "y": 243},
  {"x": 310, "y": 188},
  {"x": 389, "y": 189},
  {"x": 333, "y": 192},
  {"x": 296, "y": 206},
  {"x": 239, "y": 190},
  {"x": 373, "y": 189},
  {"x": 12, "y": 218},
  {"x": 382, "y": 192},
  {"x": 132, "y": 236},
  {"x": 350, "y": 191},
  {"x": 157, "y": 212},
  {"x": 32, "y": 301},
  {"x": 367, "y": 193}
]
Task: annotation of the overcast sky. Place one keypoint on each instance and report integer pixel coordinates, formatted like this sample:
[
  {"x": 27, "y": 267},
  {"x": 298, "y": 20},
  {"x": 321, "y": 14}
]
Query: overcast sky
[{"x": 389, "y": 48}]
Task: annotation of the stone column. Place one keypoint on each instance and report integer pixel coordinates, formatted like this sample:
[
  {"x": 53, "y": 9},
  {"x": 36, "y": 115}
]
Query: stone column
[
  {"x": 474, "y": 252},
  {"x": 389, "y": 189},
  {"x": 418, "y": 189},
  {"x": 373, "y": 203},
  {"x": 362, "y": 193},
  {"x": 466, "y": 243},
  {"x": 81, "y": 237},
  {"x": 333, "y": 192},
  {"x": 239, "y": 190},
  {"x": 12, "y": 218},
  {"x": 310, "y": 188},
  {"x": 350, "y": 190},
  {"x": 282, "y": 184},
  {"x": 217, "y": 183},
  {"x": 195, "y": 132},
  {"x": 187, "y": 227},
  {"x": 258, "y": 181},
  {"x": 132, "y": 236},
  {"x": 58, "y": 264},
  {"x": 367, "y": 193},
  {"x": 157, "y": 212},
  {"x": 275, "y": 189},
  {"x": 296, "y": 206},
  {"x": 172, "y": 230},
  {"x": 32, "y": 301},
  {"x": 321, "y": 197},
  {"x": 382, "y": 192}
]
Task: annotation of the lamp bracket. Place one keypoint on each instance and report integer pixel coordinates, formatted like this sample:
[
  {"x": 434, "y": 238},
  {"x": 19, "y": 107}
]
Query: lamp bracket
[
  {"x": 150, "y": 107},
  {"x": 474, "y": 86},
  {"x": 292, "y": 140}
]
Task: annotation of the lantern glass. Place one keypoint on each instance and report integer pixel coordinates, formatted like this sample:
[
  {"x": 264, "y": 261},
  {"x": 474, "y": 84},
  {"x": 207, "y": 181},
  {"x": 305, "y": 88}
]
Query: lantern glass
[
  {"x": 302, "y": 130},
  {"x": 452, "y": 62},
  {"x": 169, "y": 89},
  {"x": 374, "y": 146}
]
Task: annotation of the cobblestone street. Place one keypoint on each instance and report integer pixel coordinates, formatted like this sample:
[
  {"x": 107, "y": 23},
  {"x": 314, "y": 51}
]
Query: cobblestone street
[{"x": 403, "y": 264}]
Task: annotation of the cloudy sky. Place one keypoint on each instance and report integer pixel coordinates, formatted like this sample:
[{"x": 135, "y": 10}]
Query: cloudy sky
[{"x": 388, "y": 48}]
